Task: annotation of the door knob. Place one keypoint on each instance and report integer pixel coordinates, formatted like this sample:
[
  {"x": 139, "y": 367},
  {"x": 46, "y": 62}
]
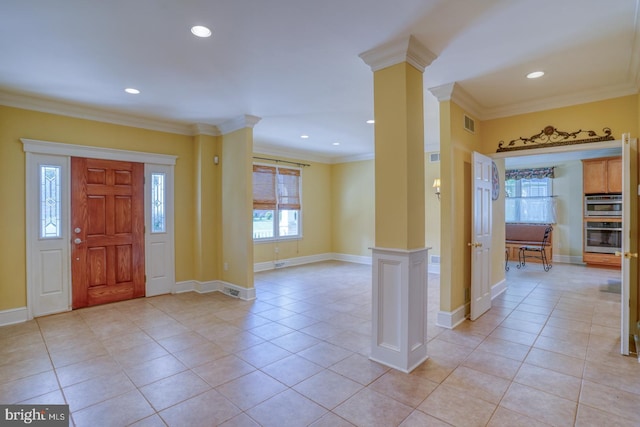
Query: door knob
[
  {"x": 475, "y": 245},
  {"x": 77, "y": 241},
  {"x": 627, "y": 255}
]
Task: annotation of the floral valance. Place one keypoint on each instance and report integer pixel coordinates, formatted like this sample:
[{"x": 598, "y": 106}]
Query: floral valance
[{"x": 532, "y": 173}]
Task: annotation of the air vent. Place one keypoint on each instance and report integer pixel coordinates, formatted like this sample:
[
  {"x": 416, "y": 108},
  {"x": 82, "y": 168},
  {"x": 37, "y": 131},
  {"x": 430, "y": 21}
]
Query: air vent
[
  {"x": 434, "y": 157},
  {"x": 231, "y": 292},
  {"x": 469, "y": 124}
]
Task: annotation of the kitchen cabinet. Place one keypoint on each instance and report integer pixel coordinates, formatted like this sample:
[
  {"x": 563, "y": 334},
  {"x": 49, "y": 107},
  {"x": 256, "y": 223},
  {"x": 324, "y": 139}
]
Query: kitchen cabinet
[{"x": 602, "y": 176}]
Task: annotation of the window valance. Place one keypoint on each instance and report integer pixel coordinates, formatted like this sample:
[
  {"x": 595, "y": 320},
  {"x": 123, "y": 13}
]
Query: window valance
[{"x": 532, "y": 173}]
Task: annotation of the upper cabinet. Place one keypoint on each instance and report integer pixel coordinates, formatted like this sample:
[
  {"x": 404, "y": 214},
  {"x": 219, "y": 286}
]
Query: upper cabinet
[{"x": 602, "y": 176}]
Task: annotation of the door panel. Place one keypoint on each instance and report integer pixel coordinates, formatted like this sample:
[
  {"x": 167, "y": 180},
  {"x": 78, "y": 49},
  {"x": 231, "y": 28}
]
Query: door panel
[
  {"x": 629, "y": 251},
  {"x": 107, "y": 221},
  {"x": 481, "y": 236}
]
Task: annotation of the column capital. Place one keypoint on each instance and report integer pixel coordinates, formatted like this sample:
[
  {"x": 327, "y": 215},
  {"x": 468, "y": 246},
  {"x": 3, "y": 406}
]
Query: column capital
[
  {"x": 408, "y": 49},
  {"x": 244, "y": 121},
  {"x": 454, "y": 92}
]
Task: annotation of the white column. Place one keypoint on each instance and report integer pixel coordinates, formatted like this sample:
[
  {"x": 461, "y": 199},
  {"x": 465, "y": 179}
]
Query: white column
[{"x": 399, "y": 321}]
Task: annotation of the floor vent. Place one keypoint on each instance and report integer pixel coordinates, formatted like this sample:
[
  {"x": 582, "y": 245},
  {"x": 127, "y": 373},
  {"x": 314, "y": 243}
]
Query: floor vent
[
  {"x": 434, "y": 157},
  {"x": 231, "y": 292},
  {"x": 469, "y": 124},
  {"x": 279, "y": 264}
]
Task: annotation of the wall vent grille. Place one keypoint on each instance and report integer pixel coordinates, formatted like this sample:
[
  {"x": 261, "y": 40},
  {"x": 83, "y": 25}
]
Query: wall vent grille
[
  {"x": 434, "y": 157},
  {"x": 469, "y": 124},
  {"x": 435, "y": 259}
]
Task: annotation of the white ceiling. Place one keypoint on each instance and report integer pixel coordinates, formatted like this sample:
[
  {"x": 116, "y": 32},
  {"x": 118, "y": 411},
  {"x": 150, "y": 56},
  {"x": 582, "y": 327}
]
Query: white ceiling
[{"x": 295, "y": 63}]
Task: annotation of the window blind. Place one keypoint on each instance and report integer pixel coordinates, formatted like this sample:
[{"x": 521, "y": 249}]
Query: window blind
[
  {"x": 288, "y": 189},
  {"x": 264, "y": 187}
]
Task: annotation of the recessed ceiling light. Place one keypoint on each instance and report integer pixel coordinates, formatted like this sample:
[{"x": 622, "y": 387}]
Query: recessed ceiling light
[
  {"x": 304, "y": 136},
  {"x": 132, "y": 91},
  {"x": 200, "y": 31},
  {"x": 371, "y": 121},
  {"x": 335, "y": 143},
  {"x": 535, "y": 74}
]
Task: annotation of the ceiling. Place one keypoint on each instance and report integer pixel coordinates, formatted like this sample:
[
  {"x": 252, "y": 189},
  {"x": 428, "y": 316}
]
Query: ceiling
[{"x": 295, "y": 63}]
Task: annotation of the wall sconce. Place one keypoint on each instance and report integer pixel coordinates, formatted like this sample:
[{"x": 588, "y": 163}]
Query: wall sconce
[{"x": 436, "y": 185}]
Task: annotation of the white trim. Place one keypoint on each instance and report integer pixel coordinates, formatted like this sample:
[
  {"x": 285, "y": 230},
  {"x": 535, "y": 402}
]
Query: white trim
[
  {"x": 242, "y": 122},
  {"x": 14, "y": 315},
  {"x": 259, "y": 148},
  {"x": 354, "y": 158},
  {"x": 62, "y": 149},
  {"x": 88, "y": 113},
  {"x": 498, "y": 288},
  {"x": 568, "y": 259},
  {"x": 246, "y": 294},
  {"x": 205, "y": 129},
  {"x": 407, "y": 49},
  {"x": 290, "y": 262},
  {"x": 451, "y": 319},
  {"x": 356, "y": 259}
]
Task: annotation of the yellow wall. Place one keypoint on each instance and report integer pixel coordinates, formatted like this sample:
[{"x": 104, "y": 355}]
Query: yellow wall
[
  {"x": 237, "y": 207},
  {"x": 456, "y": 146},
  {"x": 431, "y": 207},
  {"x": 17, "y": 123},
  {"x": 399, "y": 157},
  {"x": 207, "y": 208},
  {"x": 316, "y": 217},
  {"x": 352, "y": 199}
]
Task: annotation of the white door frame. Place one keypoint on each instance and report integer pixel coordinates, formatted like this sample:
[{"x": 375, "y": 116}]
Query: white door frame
[{"x": 41, "y": 152}]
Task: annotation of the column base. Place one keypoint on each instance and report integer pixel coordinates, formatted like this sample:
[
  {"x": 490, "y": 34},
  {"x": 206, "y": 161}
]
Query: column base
[{"x": 399, "y": 308}]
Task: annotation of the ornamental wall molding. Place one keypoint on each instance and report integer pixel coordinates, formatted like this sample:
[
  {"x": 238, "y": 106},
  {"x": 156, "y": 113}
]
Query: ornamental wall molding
[{"x": 552, "y": 137}]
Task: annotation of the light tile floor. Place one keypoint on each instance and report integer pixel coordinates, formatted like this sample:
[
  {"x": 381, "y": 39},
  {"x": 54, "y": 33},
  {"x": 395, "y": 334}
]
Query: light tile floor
[{"x": 545, "y": 354}]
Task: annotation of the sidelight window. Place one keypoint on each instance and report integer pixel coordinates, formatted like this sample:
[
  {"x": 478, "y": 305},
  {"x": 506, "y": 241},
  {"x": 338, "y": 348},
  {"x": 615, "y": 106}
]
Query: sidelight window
[
  {"x": 158, "y": 220},
  {"x": 50, "y": 217}
]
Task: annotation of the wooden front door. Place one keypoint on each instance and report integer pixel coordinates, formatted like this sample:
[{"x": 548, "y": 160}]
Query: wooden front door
[{"x": 107, "y": 231}]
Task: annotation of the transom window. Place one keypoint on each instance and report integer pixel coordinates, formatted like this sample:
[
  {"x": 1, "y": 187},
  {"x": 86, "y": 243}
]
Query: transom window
[{"x": 276, "y": 202}]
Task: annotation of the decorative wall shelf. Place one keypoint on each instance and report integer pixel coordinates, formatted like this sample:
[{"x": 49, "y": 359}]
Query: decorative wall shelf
[{"x": 552, "y": 137}]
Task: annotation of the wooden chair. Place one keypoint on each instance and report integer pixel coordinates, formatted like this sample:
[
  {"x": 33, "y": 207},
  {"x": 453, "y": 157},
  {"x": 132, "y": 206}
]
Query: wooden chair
[{"x": 530, "y": 250}]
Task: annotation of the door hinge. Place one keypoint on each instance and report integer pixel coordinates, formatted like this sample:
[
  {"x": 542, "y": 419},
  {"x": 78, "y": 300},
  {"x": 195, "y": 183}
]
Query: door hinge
[{"x": 145, "y": 278}]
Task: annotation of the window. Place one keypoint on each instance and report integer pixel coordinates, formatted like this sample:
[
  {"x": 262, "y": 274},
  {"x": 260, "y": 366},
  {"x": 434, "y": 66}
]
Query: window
[
  {"x": 50, "y": 218},
  {"x": 529, "y": 197},
  {"x": 276, "y": 202},
  {"x": 158, "y": 224}
]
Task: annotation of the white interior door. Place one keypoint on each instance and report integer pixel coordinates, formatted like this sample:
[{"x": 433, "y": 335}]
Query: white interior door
[
  {"x": 629, "y": 244},
  {"x": 480, "y": 244}
]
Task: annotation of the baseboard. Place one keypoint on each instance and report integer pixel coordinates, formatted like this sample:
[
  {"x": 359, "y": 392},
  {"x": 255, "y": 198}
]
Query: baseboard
[
  {"x": 568, "y": 259},
  {"x": 451, "y": 319},
  {"x": 236, "y": 291},
  {"x": 498, "y": 288},
  {"x": 14, "y": 315},
  {"x": 357, "y": 259},
  {"x": 215, "y": 286},
  {"x": 290, "y": 262}
]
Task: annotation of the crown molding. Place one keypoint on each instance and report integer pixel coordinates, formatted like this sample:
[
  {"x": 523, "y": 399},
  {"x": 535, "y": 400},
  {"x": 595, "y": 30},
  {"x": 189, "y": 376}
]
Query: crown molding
[
  {"x": 408, "y": 49},
  {"x": 454, "y": 92},
  {"x": 42, "y": 105},
  {"x": 242, "y": 122},
  {"x": 354, "y": 158},
  {"x": 271, "y": 150},
  {"x": 561, "y": 101},
  {"x": 205, "y": 129}
]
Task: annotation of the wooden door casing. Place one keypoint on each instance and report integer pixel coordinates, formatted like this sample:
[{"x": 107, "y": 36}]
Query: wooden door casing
[{"x": 107, "y": 231}]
